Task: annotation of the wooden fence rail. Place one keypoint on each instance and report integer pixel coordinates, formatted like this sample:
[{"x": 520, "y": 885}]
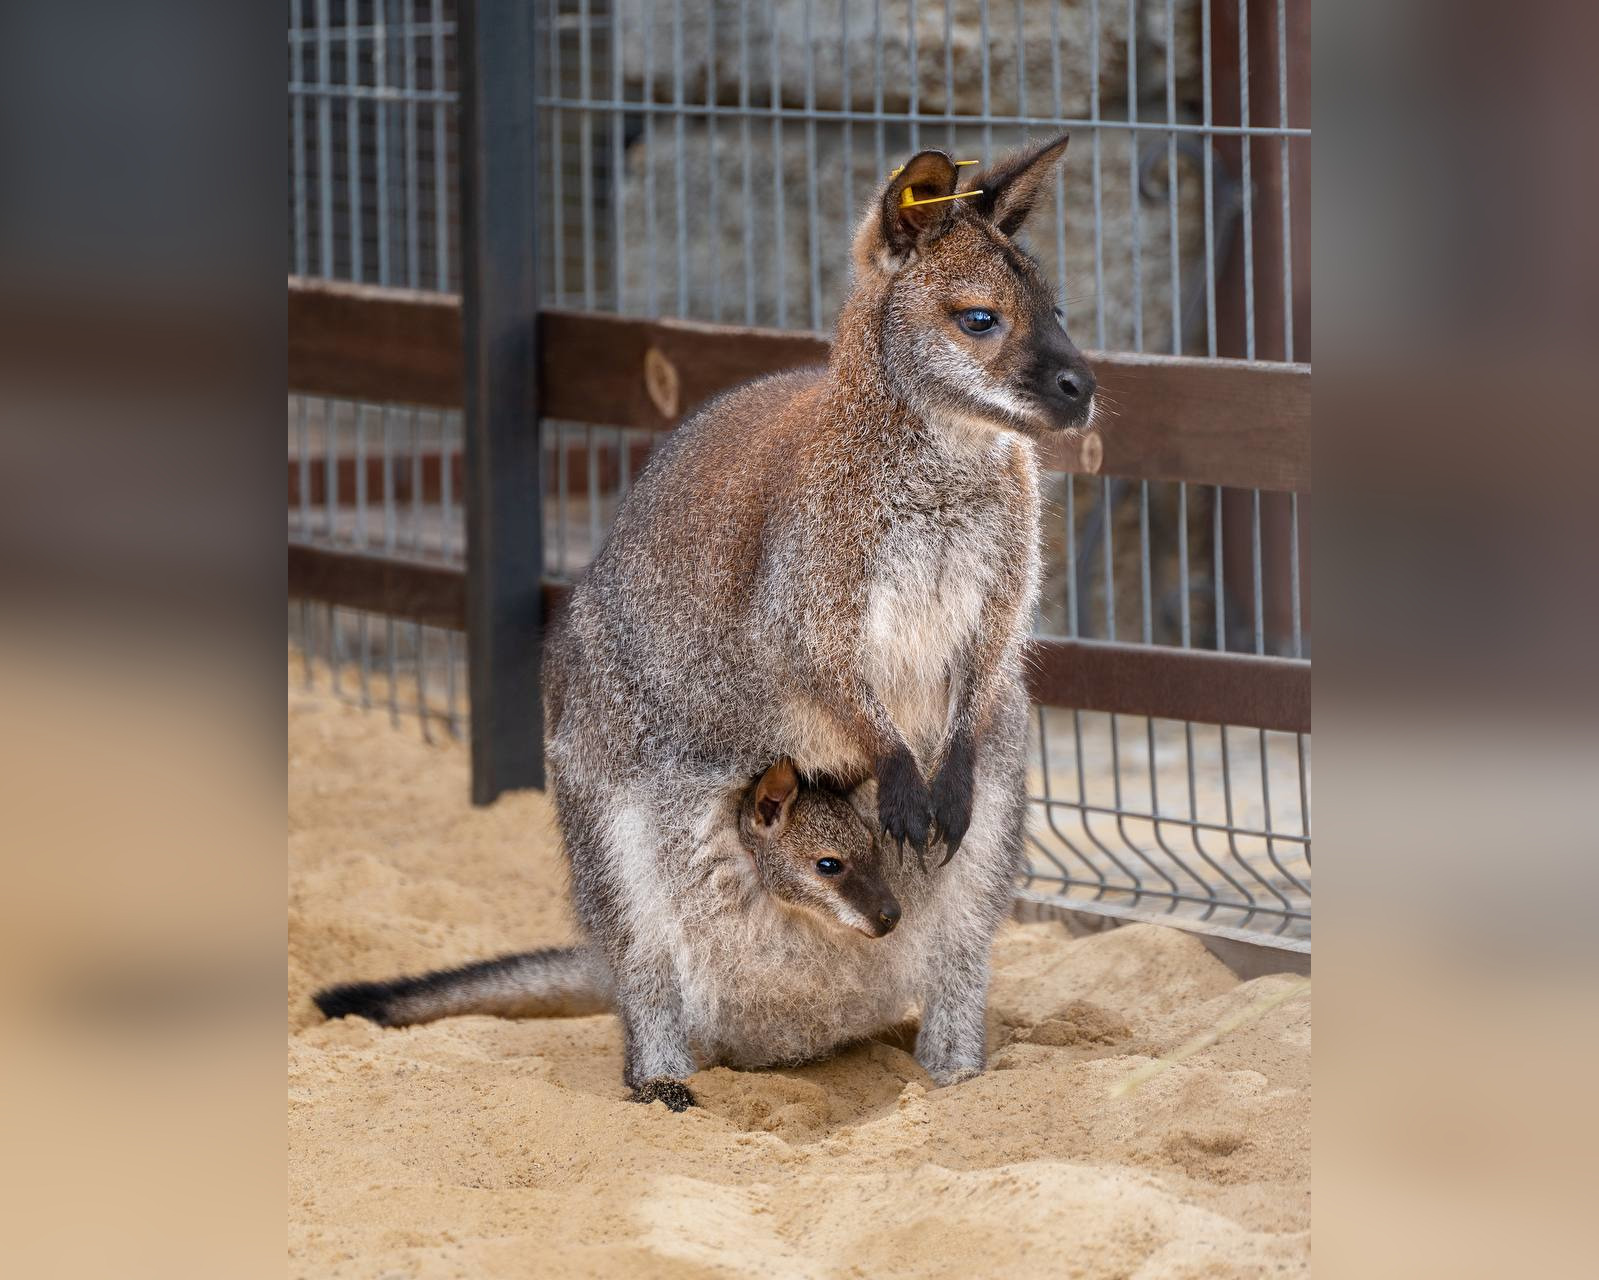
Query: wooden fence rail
[
  {"x": 1092, "y": 675},
  {"x": 1228, "y": 422},
  {"x": 1221, "y": 422}
]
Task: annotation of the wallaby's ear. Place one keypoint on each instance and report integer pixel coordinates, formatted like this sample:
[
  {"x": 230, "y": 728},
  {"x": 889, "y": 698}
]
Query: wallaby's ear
[
  {"x": 893, "y": 230},
  {"x": 774, "y": 797},
  {"x": 1011, "y": 186}
]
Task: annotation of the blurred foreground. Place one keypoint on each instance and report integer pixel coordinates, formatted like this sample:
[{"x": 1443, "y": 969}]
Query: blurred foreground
[{"x": 140, "y": 281}]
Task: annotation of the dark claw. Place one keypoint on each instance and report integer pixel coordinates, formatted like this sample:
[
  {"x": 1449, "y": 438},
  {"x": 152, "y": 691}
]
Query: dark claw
[
  {"x": 903, "y": 803},
  {"x": 921, "y": 861},
  {"x": 951, "y": 843},
  {"x": 952, "y": 796}
]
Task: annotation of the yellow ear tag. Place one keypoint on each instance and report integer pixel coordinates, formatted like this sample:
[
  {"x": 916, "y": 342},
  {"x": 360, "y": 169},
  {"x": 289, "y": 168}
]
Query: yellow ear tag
[
  {"x": 908, "y": 200},
  {"x": 901, "y": 169}
]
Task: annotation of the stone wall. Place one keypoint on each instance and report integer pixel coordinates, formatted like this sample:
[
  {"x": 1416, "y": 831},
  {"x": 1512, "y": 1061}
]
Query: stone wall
[
  {"x": 768, "y": 250},
  {"x": 850, "y": 37},
  {"x": 765, "y": 258}
]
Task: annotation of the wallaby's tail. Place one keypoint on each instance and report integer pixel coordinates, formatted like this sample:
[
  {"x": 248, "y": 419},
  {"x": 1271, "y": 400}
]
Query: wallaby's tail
[{"x": 558, "y": 982}]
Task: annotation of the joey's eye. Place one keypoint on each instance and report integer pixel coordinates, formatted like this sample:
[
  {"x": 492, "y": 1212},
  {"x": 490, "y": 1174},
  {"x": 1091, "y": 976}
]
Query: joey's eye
[
  {"x": 976, "y": 320},
  {"x": 829, "y": 866}
]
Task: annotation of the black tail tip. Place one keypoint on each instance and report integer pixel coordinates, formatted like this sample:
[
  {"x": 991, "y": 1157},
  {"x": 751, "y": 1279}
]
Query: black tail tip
[{"x": 369, "y": 1000}]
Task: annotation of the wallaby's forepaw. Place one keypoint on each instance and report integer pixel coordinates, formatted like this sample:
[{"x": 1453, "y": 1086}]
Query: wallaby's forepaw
[
  {"x": 952, "y": 795},
  {"x": 903, "y": 803},
  {"x": 674, "y": 1093}
]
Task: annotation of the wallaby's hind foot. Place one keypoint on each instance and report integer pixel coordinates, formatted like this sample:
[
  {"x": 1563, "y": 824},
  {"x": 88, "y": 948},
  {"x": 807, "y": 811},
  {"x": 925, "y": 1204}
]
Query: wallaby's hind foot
[
  {"x": 674, "y": 1093},
  {"x": 958, "y": 1075},
  {"x": 557, "y": 982}
]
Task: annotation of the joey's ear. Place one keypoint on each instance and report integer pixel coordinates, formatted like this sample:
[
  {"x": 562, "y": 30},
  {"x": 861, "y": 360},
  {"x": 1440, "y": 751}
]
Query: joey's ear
[
  {"x": 1012, "y": 185},
  {"x": 891, "y": 231},
  {"x": 774, "y": 797}
]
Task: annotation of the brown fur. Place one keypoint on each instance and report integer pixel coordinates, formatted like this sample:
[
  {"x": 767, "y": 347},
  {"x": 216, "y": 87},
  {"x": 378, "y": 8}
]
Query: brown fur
[
  {"x": 816, "y": 855},
  {"x": 837, "y": 567}
]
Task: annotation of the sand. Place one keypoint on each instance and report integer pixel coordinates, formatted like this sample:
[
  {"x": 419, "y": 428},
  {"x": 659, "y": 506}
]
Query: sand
[{"x": 487, "y": 1148}]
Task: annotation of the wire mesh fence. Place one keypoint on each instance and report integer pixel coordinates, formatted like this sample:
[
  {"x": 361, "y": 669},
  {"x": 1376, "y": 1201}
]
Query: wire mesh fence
[
  {"x": 372, "y": 137},
  {"x": 383, "y": 479},
  {"x": 372, "y": 169},
  {"x": 707, "y": 159}
]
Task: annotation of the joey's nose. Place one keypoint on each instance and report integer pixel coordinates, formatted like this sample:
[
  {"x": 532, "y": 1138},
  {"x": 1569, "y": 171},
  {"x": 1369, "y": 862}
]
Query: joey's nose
[
  {"x": 887, "y": 918},
  {"x": 1076, "y": 385}
]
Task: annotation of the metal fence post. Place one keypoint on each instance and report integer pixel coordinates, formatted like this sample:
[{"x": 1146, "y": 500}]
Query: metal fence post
[{"x": 504, "y": 555}]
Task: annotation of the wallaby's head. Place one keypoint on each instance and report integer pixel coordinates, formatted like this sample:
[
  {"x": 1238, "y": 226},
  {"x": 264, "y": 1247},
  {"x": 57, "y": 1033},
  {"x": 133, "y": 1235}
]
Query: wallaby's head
[
  {"x": 814, "y": 852},
  {"x": 970, "y": 328}
]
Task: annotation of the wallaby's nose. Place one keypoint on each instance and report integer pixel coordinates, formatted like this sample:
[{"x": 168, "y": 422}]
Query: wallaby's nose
[
  {"x": 887, "y": 918},
  {"x": 1075, "y": 384}
]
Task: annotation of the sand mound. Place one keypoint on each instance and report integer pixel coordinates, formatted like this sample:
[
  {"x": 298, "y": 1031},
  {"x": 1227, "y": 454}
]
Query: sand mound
[{"x": 477, "y": 1147}]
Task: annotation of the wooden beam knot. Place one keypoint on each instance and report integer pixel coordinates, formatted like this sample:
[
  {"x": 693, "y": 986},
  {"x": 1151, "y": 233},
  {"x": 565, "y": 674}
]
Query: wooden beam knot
[{"x": 661, "y": 381}]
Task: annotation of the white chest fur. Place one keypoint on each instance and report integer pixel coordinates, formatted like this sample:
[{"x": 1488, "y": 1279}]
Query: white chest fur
[
  {"x": 923, "y": 610},
  {"x": 933, "y": 575}
]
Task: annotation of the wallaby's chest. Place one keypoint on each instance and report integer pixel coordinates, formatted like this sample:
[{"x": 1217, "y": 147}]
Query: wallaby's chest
[
  {"x": 924, "y": 604},
  {"x": 938, "y": 567}
]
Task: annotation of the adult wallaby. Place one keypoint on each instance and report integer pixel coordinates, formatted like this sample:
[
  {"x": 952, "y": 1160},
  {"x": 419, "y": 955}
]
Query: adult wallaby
[
  {"x": 810, "y": 854},
  {"x": 838, "y": 566}
]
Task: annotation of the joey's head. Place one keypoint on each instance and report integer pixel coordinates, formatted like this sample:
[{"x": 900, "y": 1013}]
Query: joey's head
[
  {"x": 971, "y": 333},
  {"x": 813, "y": 851}
]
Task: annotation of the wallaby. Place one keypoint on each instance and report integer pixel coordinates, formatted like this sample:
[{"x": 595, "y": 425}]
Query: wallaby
[
  {"x": 809, "y": 854},
  {"x": 816, "y": 853},
  {"x": 838, "y": 566},
  {"x": 808, "y": 848}
]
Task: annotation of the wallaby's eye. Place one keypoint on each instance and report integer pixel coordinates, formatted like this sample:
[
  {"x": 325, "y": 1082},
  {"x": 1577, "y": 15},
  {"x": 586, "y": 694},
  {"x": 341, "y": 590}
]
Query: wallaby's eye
[
  {"x": 829, "y": 866},
  {"x": 976, "y": 320}
]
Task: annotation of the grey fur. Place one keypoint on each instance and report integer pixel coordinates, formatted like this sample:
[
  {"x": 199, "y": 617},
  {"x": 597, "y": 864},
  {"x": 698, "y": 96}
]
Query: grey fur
[
  {"x": 784, "y": 843},
  {"x": 552, "y": 983},
  {"x": 837, "y": 566}
]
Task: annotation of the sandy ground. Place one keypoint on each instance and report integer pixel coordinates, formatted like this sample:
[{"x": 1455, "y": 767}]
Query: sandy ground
[{"x": 484, "y": 1148}]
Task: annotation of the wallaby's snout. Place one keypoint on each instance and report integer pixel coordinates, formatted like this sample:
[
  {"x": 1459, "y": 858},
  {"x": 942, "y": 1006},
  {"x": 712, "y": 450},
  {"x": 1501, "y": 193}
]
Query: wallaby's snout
[
  {"x": 1058, "y": 380},
  {"x": 887, "y": 917},
  {"x": 1069, "y": 385}
]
